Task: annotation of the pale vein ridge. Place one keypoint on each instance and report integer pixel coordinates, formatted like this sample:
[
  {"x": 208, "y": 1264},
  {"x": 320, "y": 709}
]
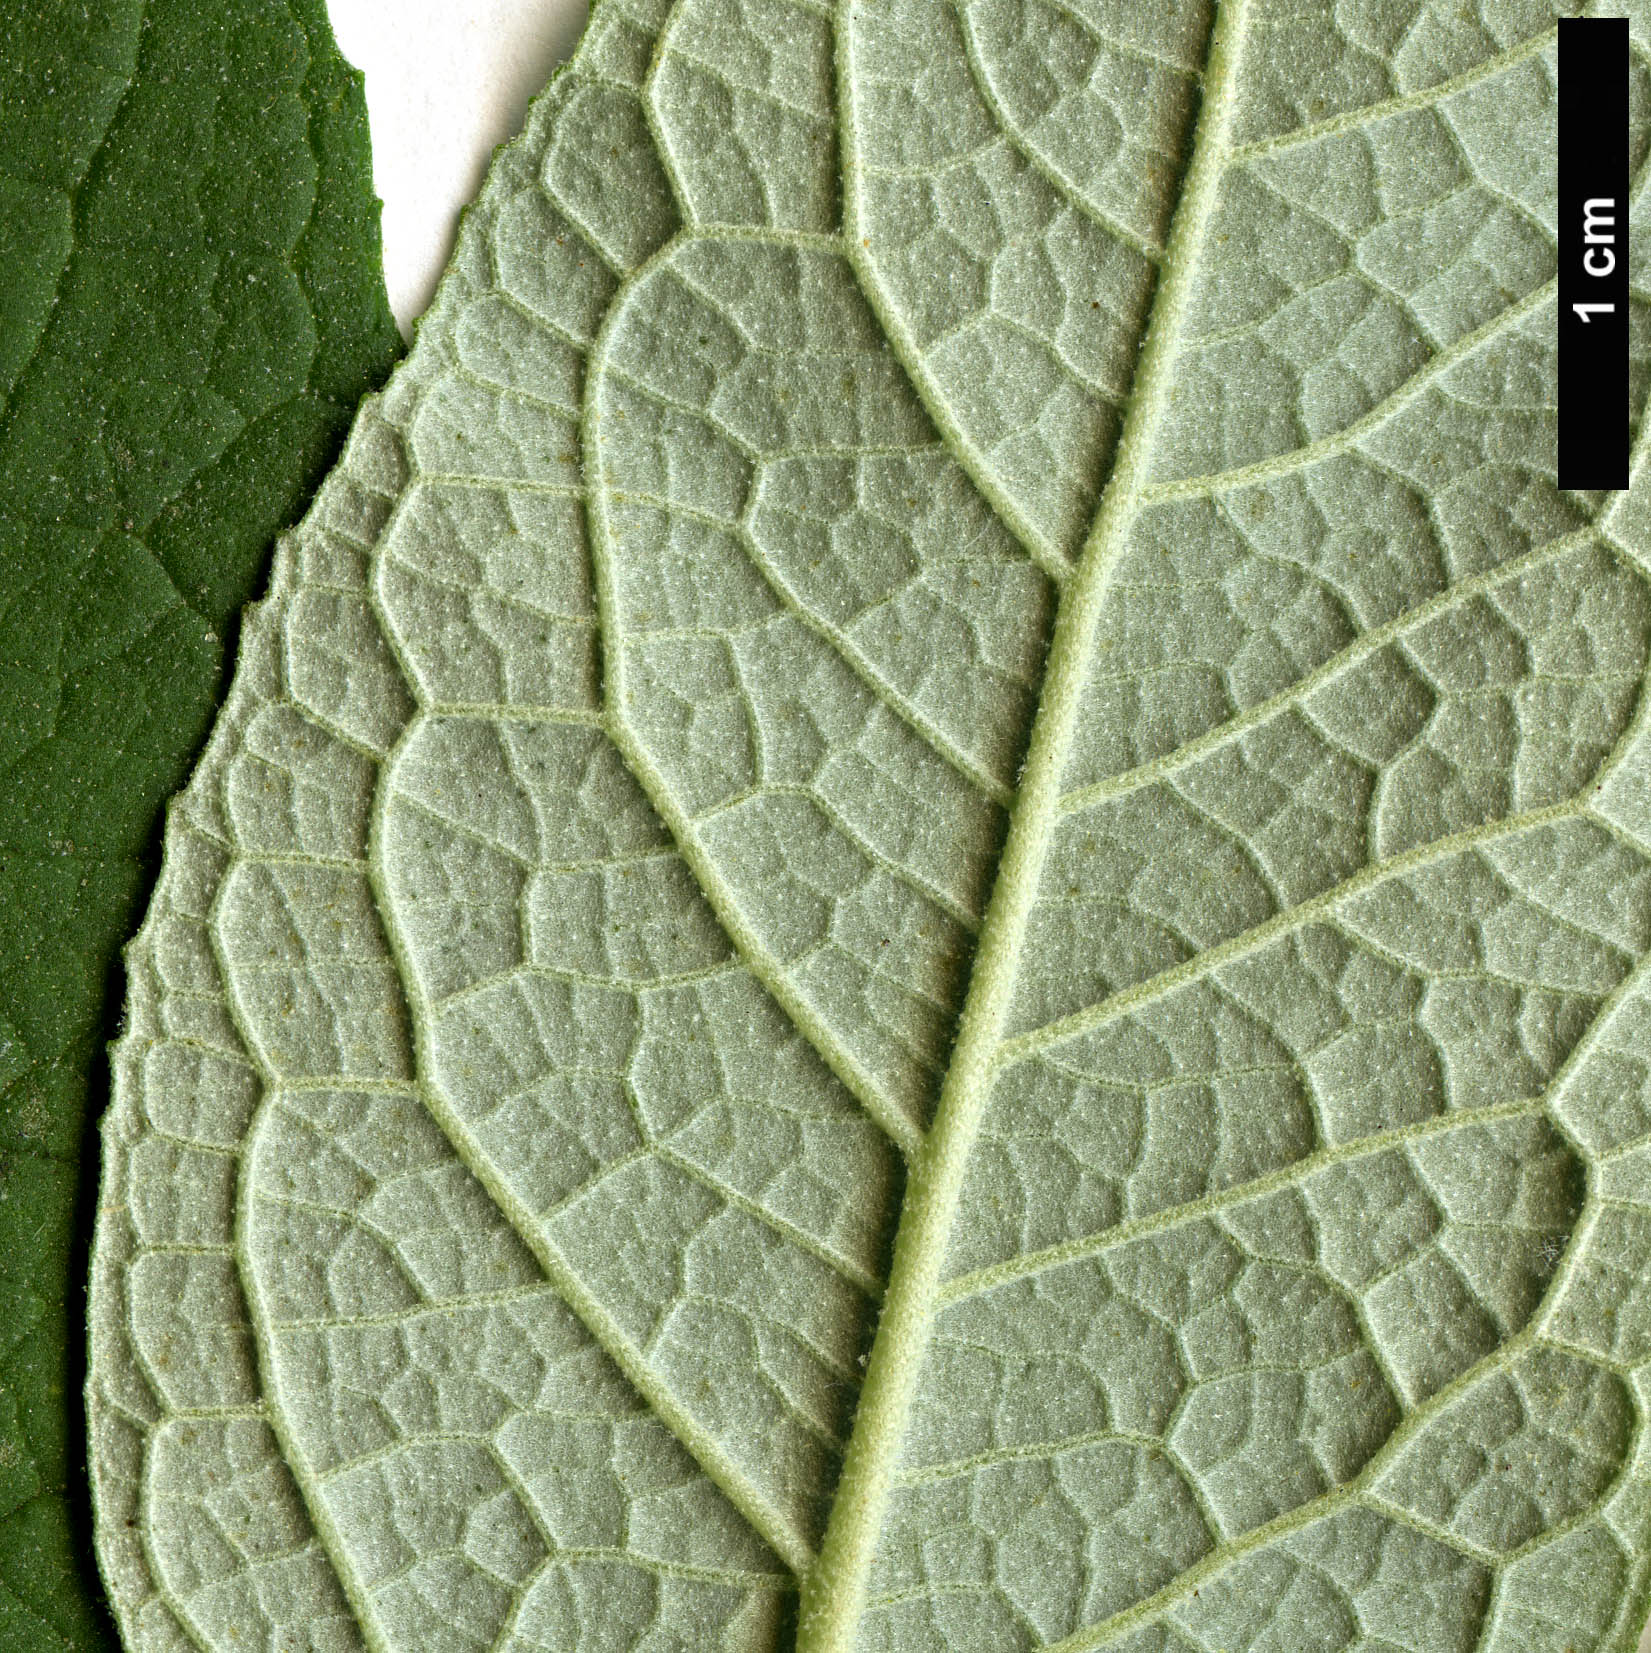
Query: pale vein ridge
[
  {"x": 834, "y": 1594},
  {"x": 1346, "y": 439},
  {"x": 1424, "y": 98},
  {"x": 193, "y": 815},
  {"x": 774, "y": 1528},
  {"x": 890, "y": 1117},
  {"x": 1360, "y": 648},
  {"x": 1128, "y": 1229},
  {"x": 835, "y": 1581},
  {"x": 900, "y": 705},
  {"x": 1103, "y": 221},
  {"x": 1206, "y": 960}
]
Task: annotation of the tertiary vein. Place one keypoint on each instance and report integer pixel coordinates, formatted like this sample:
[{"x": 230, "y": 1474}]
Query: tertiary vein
[{"x": 835, "y": 1591}]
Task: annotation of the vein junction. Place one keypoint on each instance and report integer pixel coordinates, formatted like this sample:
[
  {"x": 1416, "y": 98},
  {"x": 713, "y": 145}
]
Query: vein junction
[{"x": 559, "y": 964}]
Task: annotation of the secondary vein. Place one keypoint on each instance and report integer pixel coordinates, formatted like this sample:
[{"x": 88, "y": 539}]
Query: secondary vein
[{"x": 835, "y": 1591}]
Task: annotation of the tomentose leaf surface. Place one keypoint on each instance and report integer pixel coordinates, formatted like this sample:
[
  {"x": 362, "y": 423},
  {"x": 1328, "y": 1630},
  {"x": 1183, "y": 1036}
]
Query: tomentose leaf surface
[{"x": 920, "y": 923}]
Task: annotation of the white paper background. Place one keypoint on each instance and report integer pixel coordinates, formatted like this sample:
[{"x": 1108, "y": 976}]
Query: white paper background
[{"x": 447, "y": 82}]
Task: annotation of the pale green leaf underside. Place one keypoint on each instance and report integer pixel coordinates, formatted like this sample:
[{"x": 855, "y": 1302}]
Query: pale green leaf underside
[{"x": 920, "y": 924}]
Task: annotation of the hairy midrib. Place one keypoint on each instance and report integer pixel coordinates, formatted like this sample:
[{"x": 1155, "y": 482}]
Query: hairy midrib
[{"x": 834, "y": 1593}]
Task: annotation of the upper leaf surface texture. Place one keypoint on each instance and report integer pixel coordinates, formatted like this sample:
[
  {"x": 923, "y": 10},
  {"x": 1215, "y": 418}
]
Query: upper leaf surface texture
[
  {"x": 920, "y": 921},
  {"x": 190, "y": 311}
]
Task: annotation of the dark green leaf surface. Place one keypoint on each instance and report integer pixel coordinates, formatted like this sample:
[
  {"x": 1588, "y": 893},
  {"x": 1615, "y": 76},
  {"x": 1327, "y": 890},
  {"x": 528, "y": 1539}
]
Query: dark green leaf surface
[
  {"x": 190, "y": 309},
  {"x": 923, "y": 920}
]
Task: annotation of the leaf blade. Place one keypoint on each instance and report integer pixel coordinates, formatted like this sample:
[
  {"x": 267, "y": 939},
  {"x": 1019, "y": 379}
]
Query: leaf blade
[
  {"x": 564, "y": 929},
  {"x": 130, "y": 538}
]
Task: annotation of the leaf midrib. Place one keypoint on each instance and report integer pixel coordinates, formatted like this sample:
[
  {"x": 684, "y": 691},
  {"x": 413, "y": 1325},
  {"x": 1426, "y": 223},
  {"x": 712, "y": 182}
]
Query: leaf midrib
[{"x": 835, "y": 1591}]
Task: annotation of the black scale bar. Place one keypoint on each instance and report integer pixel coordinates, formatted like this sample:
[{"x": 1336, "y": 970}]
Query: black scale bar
[{"x": 1593, "y": 253}]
